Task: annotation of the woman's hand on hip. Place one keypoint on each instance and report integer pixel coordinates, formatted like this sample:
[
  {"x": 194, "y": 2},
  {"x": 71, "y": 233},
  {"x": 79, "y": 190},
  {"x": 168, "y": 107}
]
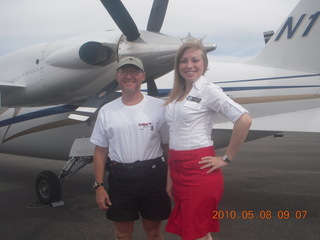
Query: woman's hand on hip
[{"x": 212, "y": 163}]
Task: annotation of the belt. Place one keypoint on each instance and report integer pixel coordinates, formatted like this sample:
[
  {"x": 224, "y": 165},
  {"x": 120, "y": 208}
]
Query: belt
[{"x": 136, "y": 164}]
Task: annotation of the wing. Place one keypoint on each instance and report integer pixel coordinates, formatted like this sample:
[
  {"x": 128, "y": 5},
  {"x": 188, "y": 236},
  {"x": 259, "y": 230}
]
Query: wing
[{"x": 298, "y": 121}]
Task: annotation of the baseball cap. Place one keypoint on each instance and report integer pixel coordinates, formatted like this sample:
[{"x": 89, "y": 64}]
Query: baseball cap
[{"x": 130, "y": 61}]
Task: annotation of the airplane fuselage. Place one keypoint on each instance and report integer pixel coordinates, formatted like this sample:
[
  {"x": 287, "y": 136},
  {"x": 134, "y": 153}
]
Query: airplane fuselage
[{"x": 280, "y": 86}]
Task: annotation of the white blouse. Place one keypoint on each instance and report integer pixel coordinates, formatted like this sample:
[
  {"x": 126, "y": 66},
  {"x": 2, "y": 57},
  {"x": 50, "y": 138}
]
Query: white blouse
[{"x": 190, "y": 121}]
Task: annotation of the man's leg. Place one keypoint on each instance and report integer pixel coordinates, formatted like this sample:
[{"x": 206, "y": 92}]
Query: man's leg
[
  {"x": 152, "y": 229},
  {"x": 123, "y": 230}
]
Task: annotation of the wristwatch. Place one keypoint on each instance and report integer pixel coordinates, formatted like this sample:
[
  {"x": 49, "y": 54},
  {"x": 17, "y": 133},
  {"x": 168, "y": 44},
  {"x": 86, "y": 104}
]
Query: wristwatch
[
  {"x": 96, "y": 185},
  {"x": 226, "y": 158}
]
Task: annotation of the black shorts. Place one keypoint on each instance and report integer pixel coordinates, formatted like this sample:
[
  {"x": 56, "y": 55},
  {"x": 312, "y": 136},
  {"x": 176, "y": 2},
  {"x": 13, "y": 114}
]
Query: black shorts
[{"x": 138, "y": 189}]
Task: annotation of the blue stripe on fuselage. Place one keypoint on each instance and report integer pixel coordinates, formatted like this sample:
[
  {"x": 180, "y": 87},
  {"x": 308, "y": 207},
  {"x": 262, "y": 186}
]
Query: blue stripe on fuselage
[{"x": 38, "y": 114}]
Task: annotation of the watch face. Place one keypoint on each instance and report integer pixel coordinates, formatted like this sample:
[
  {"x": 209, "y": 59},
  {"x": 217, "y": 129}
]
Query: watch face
[{"x": 95, "y": 185}]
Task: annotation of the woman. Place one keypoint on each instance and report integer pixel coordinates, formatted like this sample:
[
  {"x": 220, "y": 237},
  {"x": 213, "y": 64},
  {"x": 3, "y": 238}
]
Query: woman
[{"x": 195, "y": 182}]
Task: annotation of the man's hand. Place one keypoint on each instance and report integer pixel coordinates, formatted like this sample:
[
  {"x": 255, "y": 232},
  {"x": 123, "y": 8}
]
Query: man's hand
[{"x": 102, "y": 198}]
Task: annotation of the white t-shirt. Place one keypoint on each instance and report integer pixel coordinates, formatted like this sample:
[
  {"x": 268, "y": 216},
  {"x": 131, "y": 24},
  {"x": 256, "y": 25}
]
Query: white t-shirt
[
  {"x": 132, "y": 133},
  {"x": 190, "y": 121}
]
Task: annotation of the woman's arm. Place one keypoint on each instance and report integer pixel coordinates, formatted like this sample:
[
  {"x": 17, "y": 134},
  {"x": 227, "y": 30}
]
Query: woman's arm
[{"x": 238, "y": 136}]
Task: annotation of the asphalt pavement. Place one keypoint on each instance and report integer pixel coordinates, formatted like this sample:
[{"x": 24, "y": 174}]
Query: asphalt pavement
[{"x": 272, "y": 191}]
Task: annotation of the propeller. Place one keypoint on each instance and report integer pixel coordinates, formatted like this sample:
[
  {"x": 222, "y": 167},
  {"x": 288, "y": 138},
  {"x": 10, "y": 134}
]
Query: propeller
[
  {"x": 157, "y": 15},
  {"x": 155, "y": 22},
  {"x": 152, "y": 88},
  {"x": 122, "y": 18},
  {"x": 128, "y": 27}
]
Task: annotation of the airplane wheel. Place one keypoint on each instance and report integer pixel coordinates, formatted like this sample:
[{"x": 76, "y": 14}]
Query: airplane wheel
[{"x": 48, "y": 187}]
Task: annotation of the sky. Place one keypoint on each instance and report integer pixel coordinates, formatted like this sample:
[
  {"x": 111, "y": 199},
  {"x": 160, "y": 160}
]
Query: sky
[{"x": 235, "y": 26}]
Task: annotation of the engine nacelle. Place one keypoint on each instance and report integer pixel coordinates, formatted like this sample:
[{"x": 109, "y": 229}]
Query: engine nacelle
[{"x": 81, "y": 56}]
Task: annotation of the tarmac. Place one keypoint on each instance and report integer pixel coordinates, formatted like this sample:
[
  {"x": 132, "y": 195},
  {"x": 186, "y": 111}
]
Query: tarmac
[{"x": 272, "y": 191}]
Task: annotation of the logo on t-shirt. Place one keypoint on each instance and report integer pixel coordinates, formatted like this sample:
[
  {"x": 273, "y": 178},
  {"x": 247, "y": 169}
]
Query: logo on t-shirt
[{"x": 145, "y": 126}]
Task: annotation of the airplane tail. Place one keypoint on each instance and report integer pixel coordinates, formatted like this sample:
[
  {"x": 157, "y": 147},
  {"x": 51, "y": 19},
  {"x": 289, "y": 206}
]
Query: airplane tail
[{"x": 296, "y": 44}]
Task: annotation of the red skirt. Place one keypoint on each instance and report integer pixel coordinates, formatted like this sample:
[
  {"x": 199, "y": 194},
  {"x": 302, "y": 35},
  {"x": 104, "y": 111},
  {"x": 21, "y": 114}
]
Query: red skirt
[{"x": 196, "y": 194}]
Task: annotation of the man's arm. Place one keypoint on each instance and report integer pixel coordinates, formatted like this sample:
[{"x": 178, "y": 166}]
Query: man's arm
[{"x": 99, "y": 163}]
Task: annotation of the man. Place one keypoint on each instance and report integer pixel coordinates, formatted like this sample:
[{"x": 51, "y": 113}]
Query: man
[{"x": 132, "y": 132}]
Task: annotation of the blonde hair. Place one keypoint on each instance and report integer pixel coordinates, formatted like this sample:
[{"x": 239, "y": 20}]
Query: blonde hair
[{"x": 179, "y": 82}]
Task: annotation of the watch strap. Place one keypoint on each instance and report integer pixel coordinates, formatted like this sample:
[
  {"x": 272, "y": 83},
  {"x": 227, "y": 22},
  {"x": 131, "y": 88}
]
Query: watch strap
[
  {"x": 96, "y": 185},
  {"x": 226, "y": 158}
]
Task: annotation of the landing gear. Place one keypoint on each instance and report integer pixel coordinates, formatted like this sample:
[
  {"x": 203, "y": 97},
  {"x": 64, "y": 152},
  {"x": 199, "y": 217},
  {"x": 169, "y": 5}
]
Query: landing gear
[
  {"x": 48, "y": 184},
  {"x": 48, "y": 187}
]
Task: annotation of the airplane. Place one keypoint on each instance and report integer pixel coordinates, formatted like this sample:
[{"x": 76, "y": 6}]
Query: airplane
[
  {"x": 60, "y": 85},
  {"x": 76, "y": 68},
  {"x": 280, "y": 88}
]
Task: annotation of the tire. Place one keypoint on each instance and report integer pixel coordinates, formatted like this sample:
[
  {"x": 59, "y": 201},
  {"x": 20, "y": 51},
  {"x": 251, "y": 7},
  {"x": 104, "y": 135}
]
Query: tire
[{"x": 48, "y": 187}]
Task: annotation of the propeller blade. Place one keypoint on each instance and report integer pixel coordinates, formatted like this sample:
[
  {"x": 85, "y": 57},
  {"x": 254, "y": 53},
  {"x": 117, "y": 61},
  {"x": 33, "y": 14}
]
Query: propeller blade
[
  {"x": 122, "y": 18},
  {"x": 152, "y": 88},
  {"x": 157, "y": 15}
]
